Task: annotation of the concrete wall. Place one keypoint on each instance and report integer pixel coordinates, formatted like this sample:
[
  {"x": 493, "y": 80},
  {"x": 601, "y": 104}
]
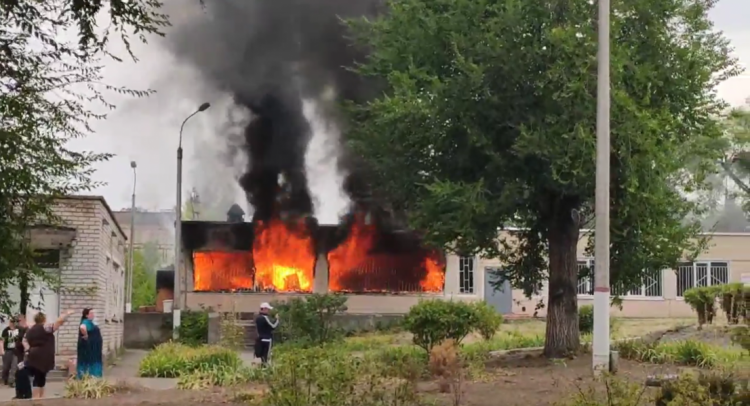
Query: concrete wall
[
  {"x": 146, "y": 330},
  {"x": 357, "y": 304},
  {"x": 92, "y": 271}
]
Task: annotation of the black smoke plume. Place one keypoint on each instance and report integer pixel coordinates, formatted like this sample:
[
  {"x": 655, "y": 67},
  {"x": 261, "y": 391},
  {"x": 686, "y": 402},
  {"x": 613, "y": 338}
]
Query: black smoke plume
[{"x": 269, "y": 54}]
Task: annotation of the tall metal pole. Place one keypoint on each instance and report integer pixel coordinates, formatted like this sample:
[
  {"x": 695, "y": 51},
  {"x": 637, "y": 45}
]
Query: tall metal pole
[
  {"x": 178, "y": 299},
  {"x": 601, "y": 250},
  {"x": 129, "y": 282}
]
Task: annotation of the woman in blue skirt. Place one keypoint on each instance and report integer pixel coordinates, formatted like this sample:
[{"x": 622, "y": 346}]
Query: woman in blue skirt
[{"x": 89, "y": 362}]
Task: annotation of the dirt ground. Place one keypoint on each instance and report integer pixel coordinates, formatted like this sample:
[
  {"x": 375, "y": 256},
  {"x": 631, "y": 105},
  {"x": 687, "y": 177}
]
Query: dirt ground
[
  {"x": 535, "y": 381},
  {"x": 514, "y": 380},
  {"x": 519, "y": 380}
]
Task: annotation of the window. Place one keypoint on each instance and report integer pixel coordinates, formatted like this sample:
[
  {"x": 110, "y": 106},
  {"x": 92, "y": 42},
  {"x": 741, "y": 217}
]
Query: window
[
  {"x": 466, "y": 274},
  {"x": 586, "y": 283},
  {"x": 701, "y": 273},
  {"x": 651, "y": 287},
  {"x": 47, "y": 258}
]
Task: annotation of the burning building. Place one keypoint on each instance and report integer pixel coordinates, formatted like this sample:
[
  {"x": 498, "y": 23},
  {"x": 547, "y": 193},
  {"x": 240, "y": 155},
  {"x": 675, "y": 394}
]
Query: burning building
[{"x": 237, "y": 263}]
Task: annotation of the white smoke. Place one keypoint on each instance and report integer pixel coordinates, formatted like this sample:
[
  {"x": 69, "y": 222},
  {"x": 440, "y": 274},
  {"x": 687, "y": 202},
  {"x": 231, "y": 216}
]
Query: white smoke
[{"x": 321, "y": 160}]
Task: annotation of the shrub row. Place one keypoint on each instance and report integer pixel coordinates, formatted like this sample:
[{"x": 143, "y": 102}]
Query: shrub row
[
  {"x": 174, "y": 360},
  {"x": 687, "y": 352},
  {"x": 733, "y": 298}
]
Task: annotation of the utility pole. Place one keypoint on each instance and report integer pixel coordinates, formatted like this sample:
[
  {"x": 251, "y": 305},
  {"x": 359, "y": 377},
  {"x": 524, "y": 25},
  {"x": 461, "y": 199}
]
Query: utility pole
[
  {"x": 129, "y": 282},
  {"x": 178, "y": 301},
  {"x": 601, "y": 345}
]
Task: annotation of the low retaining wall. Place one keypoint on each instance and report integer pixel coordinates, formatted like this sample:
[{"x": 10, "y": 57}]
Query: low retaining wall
[{"x": 145, "y": 330}]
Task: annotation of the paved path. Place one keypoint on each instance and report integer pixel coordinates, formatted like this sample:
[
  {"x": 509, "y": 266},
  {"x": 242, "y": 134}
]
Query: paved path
[{"x": 125, "y": 369}]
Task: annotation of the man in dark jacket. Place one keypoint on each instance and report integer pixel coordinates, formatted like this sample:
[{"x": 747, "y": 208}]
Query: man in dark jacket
[
  {"x": 8, "y": 351},
  {"x": 265, "y": 325}
]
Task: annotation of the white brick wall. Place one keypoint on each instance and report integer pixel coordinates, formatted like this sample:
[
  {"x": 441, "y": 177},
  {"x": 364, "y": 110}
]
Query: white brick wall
[{"x": 92, "y": 271}]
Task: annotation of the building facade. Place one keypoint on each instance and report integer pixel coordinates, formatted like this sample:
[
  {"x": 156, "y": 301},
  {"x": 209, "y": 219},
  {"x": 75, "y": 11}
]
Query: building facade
[
  {"x": 85, "y": 255},
  {"x": 155, "y": 227},
  {"x": 725, "y": 260}
]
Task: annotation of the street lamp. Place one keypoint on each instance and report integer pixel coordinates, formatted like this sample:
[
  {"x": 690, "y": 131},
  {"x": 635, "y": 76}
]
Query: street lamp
[
  {"x": 178, "y": 302},
  {"x": 129, "y": 282},
  {"x": 601, "y": 356}
]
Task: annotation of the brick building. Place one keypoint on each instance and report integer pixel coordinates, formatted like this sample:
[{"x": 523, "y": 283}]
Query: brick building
[{"x": 87, "y": 252}]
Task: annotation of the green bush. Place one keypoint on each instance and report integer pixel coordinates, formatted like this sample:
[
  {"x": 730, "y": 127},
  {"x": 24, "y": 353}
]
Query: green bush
[
  {"x": 586, "y": 319},
  {"x": 488, "y": 319},
  {"x": 703, "y": 301},
  {"x": 434, "y": 321},
  {"x": 714, "y": 389},
  {"x": 687, "y": 352},
  {"x": 322, "y": 376},
  {"x": 734, "y": 301},
  {"x": 310, "y": 320},
  {"x": 193, "y": 328},
  {"x": 173, "y": 360},
  {"x": 741, "y": 337}
]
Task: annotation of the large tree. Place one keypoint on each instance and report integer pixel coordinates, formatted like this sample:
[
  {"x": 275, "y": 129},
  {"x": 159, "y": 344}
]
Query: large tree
[
  {"x": 50, "y": 91},
  {"x": 488, "y": 120}
]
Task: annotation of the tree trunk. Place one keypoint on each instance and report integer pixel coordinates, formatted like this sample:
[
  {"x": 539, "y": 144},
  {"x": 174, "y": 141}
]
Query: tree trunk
[
  {"x": 23, "y": 287},
  {"x": 562, "y": 337}
]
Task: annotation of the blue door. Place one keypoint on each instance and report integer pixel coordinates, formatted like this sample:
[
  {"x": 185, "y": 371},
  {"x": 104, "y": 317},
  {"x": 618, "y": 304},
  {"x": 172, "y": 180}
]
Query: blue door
[{"x": 501, "y": 299}]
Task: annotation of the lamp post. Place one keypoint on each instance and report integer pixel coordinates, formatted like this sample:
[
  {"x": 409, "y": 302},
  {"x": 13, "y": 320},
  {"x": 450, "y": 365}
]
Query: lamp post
[
  {"x": 129, "y": 283},
  {"x": 178, "y": 302},
  {"x": 601, "y": 356}
]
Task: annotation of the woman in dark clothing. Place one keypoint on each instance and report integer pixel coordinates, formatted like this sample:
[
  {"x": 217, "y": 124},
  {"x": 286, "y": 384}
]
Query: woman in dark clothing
[
  {"x": 89, "y": 362},
  {"x": 39, "y": 344}
]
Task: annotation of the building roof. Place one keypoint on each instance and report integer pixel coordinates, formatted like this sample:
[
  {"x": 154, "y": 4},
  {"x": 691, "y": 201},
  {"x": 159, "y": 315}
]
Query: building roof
[{"x": 104, "y": 203}]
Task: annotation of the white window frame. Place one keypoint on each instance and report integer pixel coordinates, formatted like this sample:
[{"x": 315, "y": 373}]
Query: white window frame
[
  {"x": 589, "y": 283},
  {"x": 710, "y": 279},
  {"x": 462, "y": 260}
]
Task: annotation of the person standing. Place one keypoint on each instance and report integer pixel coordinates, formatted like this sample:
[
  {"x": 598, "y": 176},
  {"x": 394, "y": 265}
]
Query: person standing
[
  {"x": 23, "y": 382},
  {"x": 264, "y": 326},
  {"x": 89, "y": 361},
  {"x": 8, "y": 351},
  {"x": 39, "y": 357}
]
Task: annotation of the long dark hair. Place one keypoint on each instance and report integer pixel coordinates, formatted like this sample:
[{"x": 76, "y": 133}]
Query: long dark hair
[{"x": 85, "y": 313}]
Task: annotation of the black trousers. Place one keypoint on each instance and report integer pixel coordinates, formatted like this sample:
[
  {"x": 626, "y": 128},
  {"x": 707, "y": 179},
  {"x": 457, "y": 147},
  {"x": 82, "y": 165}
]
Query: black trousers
[
  {"x": 23, "y": 384},
  {"x": 263, "y": 349}
]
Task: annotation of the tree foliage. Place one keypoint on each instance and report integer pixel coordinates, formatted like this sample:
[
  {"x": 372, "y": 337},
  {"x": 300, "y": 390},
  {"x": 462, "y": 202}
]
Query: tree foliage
[
  {"x": 488, "y": 121},
  {"x": 49, "y": 92},
  {"x": 146, "y": 261}
]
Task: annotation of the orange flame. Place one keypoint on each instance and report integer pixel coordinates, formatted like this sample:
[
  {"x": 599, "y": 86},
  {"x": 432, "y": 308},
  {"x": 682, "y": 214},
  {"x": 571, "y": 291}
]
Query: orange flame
[
  {"x": 284, "y": 258},
  {"x": 352, "y": 266},
  {"x": 218, "y": 270}
]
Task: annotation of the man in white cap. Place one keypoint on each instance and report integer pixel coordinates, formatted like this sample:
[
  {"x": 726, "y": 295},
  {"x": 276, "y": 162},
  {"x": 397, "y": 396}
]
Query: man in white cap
[{"x": 265, "y": 327}]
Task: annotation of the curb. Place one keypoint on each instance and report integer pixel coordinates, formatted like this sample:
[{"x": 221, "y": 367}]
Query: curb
[{"x": 513, "y": 351}]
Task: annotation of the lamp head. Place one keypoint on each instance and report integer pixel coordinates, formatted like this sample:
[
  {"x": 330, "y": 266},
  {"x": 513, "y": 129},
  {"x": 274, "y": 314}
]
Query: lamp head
[
  {"x": 132, "y": 164},
  {"x": 204, "y": 106}
]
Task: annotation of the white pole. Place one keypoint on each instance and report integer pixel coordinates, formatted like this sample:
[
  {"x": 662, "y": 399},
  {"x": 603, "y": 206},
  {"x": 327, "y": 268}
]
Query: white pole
[
  {"x": 176, "y": 305},
  {"x": 129, "y": 282},
  {"x": 601, "y": 250}
]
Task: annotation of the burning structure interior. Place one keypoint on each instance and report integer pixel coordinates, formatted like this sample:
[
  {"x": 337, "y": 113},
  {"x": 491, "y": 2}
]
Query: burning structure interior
[{"x": 248, "y": 262}]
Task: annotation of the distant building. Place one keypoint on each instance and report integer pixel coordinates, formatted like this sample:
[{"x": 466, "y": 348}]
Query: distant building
[{"x": 151, "y": 227}]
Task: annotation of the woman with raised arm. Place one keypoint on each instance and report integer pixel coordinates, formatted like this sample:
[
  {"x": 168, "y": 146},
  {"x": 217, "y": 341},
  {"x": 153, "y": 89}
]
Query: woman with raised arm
[
  {"x": 89, "y": 361},
  {"x": 39, "y": 356}
]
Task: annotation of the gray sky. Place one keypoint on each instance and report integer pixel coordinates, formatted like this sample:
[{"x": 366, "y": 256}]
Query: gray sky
[{"x": 146, "y": 130}]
